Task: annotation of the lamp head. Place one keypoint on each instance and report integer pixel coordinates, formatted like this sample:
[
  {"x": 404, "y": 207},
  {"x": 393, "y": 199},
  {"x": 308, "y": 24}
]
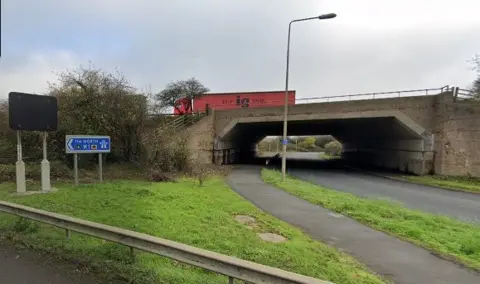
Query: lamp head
[{"x": 327, "y": 16}]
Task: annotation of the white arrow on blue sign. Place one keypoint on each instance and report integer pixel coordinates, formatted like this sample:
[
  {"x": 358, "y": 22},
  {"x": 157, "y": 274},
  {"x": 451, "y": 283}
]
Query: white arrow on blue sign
[{"x": 87, "y": 144}]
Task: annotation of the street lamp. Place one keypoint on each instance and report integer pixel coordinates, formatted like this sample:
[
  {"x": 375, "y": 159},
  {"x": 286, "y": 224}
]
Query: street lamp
[{"x": 284, "y": 142}]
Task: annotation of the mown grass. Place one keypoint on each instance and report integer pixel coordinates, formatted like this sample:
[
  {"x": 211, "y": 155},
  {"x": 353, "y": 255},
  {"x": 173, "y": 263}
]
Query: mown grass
[
  {"x": 454, "y": 183},
  {"x": 445, "y": 236},
  {"x": 183, "y": 212}
]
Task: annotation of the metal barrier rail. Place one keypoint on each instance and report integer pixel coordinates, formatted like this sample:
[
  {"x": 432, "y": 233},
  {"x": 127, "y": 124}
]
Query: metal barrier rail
[
  {"x": 464, "y": 94},
  {"x": 229, "y": 266},
  {"x": 183, "y": 121},
  {"x": 380, "y": 95},
  {"x": 352, "y": 97}
]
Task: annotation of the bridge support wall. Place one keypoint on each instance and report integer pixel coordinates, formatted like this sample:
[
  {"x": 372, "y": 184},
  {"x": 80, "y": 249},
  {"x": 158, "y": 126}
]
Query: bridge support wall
[
  {"x": 410, "y": 156},
  {"x": 457, "y": 144},
  {"x": 449, "y": 143}
]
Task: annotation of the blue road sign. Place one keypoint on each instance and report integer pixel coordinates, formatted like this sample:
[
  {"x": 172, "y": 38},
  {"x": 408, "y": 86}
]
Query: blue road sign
[
  {"x": 285, "y": 141},
  {"x": 87, "y": 144}
]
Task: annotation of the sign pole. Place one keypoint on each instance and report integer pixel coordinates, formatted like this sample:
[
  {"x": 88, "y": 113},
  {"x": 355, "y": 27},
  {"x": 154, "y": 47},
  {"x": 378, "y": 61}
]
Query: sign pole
[
  {"x": 100, "y": 166},
  {"x": 45, "y": 166},
  {"x": 20, "y": 166},
  {"x": 75, "y": 168}
]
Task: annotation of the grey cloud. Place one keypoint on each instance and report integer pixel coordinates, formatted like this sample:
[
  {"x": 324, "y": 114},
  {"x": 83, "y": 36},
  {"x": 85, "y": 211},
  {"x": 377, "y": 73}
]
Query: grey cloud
[{"x": 241, "y": 45}]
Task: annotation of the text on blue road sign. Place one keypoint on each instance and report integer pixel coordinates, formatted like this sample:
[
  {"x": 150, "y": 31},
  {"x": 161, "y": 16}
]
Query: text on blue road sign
[{"x": 87, "y": 144}]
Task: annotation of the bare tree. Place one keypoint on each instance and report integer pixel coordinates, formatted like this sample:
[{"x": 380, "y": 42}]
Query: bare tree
[
  {"x": 184, "y": 89},
  {"x": 92, "y": 101},
  {"x": 476, "y": 83}
]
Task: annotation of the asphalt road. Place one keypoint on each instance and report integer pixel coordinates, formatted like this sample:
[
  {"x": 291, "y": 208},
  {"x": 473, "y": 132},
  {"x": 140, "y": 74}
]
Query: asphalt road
[
  {"x": 26, "y": 267},
  {"x": 459, "y": 205}
]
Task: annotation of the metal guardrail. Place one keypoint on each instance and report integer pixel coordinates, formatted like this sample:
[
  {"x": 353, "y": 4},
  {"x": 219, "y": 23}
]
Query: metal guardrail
[
  {"x": 379, "y": 95},
  {"x": 464, "y": 94},
  {"x": 183, "y": 121},
  {"x": 356, "y": 97},
  {"x": 229, "y": 266}
]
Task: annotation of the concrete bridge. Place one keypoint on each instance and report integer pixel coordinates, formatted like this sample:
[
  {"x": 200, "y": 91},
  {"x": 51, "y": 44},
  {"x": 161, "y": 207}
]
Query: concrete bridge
[{"x": 430, "y": 133}]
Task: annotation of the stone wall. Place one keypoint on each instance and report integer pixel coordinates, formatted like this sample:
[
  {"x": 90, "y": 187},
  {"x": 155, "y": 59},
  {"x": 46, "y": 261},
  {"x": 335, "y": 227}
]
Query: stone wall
[
  {"x": 200, "y": 137},
  {"x": 409, "y": 156},
  {"x": 457, "y": 134}
]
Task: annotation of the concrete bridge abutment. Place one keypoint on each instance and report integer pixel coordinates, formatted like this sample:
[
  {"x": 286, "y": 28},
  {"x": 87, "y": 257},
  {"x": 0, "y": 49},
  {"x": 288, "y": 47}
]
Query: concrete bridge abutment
[{"x": 421, "y": 135}]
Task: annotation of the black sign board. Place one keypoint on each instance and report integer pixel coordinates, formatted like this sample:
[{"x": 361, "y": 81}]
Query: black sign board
[{"x": 30, "y": 112}]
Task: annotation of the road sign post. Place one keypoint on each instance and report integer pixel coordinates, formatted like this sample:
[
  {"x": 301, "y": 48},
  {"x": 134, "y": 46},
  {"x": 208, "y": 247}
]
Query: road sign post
[
  {"x": 20, "y": 166},
  {"x": 100, "y": 167},
  {"x": 45, "y": 167},
  {"x": 75, "y": 168},
  {"x": 87, "y": 144}
]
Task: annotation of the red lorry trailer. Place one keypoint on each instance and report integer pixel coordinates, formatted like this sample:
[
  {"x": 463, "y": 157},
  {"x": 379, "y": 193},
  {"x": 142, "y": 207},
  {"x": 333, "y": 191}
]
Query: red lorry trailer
[{"x": 222, "y": 101}]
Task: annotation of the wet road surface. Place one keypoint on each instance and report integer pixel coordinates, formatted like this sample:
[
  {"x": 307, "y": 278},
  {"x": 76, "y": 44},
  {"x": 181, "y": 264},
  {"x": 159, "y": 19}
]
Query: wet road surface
[{"x": 20, "y": 266}]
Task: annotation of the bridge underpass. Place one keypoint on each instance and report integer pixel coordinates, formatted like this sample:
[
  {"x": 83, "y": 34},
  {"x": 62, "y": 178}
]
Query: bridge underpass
[
  {"x": 382, "y": 141},
  {"x": 419, "y": 134}
]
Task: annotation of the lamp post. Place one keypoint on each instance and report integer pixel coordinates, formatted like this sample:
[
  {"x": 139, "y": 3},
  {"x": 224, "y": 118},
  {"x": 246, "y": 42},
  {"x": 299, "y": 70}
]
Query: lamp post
[{"x": 284, "y": 140}]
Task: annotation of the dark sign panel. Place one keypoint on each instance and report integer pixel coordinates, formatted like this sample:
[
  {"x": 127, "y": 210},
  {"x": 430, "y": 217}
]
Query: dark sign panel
[{"x": 30, "y": 112}]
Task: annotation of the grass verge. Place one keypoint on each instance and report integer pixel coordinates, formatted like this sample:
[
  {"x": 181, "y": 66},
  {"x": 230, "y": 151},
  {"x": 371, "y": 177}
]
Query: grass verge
[
  {"x": 447, "y": 237},
  {"x": 325, "y": 156},
  {"x": 454, "y": 183},
  {"x": 183, "y": 212}
]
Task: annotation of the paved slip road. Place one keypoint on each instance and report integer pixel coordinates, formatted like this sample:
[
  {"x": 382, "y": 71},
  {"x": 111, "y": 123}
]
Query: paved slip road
[
  {"x": 463, "y": 206},
  {"x": 18, "y": 266},
  {"x": 402, "y": 262}
]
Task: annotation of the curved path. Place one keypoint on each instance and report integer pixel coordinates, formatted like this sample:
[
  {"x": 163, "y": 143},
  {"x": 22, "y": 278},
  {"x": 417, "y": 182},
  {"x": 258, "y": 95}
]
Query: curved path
[
  {"x": 397, "y": 260},
  {"x": 25, "y": 267}
]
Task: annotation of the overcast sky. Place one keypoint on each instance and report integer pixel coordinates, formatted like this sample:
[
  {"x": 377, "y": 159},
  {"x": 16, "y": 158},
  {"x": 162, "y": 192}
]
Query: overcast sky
[{"x": 240, "y": 45}]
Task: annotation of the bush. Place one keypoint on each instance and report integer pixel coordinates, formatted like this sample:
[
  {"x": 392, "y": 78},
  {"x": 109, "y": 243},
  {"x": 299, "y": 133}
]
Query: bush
[
  {"x": 307, "y": 142},
  {"x": 33, "y": 171},
  {"x": 323, "y": 140},
  {"x": 333, "y": 148},
  {"x": 23, "y": 225},
  {"x": 157, "y": 176},
  {"x": 166, "y": 152},
  {"x": 7, "y": 173}
]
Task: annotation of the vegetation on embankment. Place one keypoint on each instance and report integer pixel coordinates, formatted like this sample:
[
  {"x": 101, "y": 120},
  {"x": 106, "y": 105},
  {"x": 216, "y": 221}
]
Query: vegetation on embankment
[
  {"x": 447, "y": 237},
  {"x": 325, "y": 156},
  {"x": 184, "y": 211},
  {"x": 467, "y": 184}
]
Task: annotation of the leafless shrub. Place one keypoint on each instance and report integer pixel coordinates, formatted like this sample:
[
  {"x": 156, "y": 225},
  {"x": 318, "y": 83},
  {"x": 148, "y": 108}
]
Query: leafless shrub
[{"x": 165, "y": 152}]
